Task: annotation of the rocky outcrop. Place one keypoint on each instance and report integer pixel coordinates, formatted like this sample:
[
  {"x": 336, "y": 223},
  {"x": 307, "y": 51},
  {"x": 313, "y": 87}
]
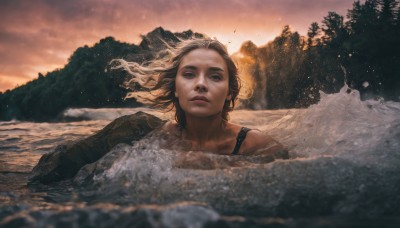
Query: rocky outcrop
[{"x": 66, "y": 159}]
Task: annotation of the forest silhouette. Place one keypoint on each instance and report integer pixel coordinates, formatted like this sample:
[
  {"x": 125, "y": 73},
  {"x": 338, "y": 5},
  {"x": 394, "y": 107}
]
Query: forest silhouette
[{"x": 361, "y": 49}]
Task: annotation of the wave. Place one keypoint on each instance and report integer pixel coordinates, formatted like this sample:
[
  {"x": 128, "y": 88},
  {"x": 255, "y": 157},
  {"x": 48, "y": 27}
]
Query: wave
[{"x": 344, "y": 160}]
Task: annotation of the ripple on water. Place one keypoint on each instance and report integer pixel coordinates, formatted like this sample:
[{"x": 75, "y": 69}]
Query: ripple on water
[
  {"x": 13, "y": 140},
  {"x": 18, "y": 162},
  {"x": 13, "y": 129},
  {"x": 10, "y": 148}
]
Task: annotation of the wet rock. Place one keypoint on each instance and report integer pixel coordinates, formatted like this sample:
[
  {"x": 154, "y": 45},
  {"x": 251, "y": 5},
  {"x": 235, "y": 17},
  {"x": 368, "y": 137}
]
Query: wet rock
[
  {"x": 85, "y": 175},
  {"x": 66, "y": 159},
  {"x": 108, "y": 215}
]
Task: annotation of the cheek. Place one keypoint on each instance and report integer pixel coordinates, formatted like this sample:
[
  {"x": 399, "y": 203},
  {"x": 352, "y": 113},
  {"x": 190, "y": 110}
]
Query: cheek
[
  {"x": 181, "y": 90},
  {"x": 225, "y": 91},
  {"x": 222, "y": 95}
]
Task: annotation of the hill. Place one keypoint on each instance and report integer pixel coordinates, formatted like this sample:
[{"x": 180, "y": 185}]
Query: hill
[{"x": 85, "y": 81}]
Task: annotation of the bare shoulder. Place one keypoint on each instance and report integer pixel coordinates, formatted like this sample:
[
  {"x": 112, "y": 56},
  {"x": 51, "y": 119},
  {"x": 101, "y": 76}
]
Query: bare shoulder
[
  {"x": 171, "y": 127},
  {"x": 258, "y": 143}
]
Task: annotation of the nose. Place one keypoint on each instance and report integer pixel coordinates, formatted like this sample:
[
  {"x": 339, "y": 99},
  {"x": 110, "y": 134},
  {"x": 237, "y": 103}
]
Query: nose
[{"x": 201, "y": 84}]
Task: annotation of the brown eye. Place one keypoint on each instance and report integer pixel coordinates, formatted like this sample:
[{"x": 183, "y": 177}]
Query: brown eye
[
  {"x": 188, "y": 74},
  {"x": 216, "y": 77}
]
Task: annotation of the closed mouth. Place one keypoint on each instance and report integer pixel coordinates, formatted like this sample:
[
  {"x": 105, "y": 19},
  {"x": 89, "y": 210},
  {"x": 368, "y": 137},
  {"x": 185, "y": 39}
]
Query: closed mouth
[{"x": 199, "y": 98}]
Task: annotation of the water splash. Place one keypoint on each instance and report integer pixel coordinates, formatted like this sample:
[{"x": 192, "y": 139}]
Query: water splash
[
  {"x": 341, "y": 124},
  {"x": 345, "y": 156}
]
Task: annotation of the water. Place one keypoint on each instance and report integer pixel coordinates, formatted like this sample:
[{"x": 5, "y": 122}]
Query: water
[{"x": 344, "y": 171}]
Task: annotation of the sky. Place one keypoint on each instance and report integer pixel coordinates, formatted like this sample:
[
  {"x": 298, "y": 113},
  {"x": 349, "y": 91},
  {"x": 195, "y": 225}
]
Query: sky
[{"x": 38, "y": 36}]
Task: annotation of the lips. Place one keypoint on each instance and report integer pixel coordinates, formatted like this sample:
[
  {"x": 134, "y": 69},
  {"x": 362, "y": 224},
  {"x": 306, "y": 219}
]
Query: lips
[{"x": 201, "y": 98}]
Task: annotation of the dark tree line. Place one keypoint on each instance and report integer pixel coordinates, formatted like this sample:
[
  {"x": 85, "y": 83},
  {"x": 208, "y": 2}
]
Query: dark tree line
[
  {"x": 363, "y": 51},
  {"x": 83, "y": 82},
  {"x": 86, "y": 81}
]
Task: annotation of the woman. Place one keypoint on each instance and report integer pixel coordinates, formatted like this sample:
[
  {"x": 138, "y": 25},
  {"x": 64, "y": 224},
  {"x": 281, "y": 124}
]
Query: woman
[{"x": 200, "y": 82}]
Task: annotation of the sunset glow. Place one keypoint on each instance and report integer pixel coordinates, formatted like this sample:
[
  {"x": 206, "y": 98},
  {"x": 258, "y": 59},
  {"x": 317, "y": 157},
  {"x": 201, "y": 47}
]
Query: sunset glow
[{"x": 38, "y": 37}]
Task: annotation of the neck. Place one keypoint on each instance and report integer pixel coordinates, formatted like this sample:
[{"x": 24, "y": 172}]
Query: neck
[{"x": 202, "y": 130}]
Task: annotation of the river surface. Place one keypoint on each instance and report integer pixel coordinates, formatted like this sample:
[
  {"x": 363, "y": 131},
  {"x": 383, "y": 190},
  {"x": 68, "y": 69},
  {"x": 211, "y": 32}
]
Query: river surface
[{"x": 343, "y": 171}]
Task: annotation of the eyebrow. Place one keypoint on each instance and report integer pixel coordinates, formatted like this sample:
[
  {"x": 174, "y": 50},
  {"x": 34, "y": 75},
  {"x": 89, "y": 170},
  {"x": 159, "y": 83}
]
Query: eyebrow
[
  {"x": 216, "y": 69},
  {"x": 190, "y": 67}
]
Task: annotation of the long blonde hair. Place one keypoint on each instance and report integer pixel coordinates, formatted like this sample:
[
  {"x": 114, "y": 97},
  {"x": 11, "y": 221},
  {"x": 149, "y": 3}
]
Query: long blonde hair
[{"x": 159, "y": 75}]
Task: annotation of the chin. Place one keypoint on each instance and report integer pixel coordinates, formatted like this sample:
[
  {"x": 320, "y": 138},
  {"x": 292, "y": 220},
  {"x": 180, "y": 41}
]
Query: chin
[{"x": 202, "y": 114}]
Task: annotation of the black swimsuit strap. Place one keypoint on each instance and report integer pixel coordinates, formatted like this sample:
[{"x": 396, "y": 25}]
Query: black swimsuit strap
[{"x": 240, "y": 138}]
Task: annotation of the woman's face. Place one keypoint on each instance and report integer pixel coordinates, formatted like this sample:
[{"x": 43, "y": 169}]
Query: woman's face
[{"x": 202, "y": 83}]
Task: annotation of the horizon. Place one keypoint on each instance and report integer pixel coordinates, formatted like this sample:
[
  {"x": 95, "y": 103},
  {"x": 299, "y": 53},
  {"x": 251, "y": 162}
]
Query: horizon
[{"x": 39, "y": 37}]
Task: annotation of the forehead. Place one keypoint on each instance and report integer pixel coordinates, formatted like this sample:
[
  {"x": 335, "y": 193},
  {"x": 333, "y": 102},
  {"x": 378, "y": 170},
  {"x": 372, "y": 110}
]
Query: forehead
[{"x": 203, "y": 58}]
